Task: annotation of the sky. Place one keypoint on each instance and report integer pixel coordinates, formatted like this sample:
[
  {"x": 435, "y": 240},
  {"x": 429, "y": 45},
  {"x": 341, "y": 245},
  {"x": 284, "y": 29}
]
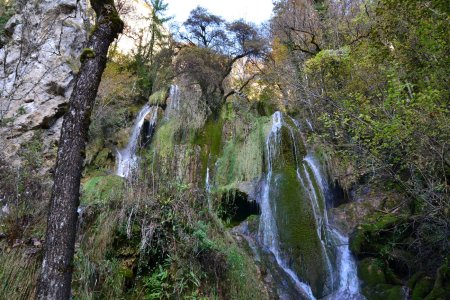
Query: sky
[{"x": 255, "y": 11}]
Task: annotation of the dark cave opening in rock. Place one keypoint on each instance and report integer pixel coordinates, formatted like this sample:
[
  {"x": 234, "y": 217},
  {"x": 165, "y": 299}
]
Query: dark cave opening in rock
[{"x": 236, "y": 207}]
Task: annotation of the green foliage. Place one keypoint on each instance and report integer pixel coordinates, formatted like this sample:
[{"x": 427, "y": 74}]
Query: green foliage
[
  {"x": 102, "y": 189},
  {"x": 156, "y": 284},
  {"x": 87, "y": 53},
  {"x": 158, "y": 97},
  {"x": 6, "y": 11},
  {"x": 376, "y": 84},
  {"x": 152, "y": 60}
]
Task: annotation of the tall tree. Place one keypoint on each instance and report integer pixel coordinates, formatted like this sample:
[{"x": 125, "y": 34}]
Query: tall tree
[
  {"x": 149, "y": 40},
  {"x": 204, "y": 29},
  {"x": 56, "y": 274},
  {"x": 215, "y": 47},
  {"x": 157, "y": 25}
]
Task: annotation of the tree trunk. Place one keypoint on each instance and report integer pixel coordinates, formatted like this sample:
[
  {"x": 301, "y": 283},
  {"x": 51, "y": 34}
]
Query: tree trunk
[{"x": 57, "y": 266}]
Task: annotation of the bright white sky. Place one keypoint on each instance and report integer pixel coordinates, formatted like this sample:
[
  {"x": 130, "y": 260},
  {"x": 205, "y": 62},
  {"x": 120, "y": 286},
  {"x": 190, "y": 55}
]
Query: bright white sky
[{"x": 255, "y": 11}]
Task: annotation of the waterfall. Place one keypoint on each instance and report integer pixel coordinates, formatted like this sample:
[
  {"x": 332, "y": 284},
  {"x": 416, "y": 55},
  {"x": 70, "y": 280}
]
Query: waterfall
[
  {"x": 346, "y": 269},
  {"x": 268, "y": 228},
  {"x": 173, "y": 102},
  {"x": 175, "y": 96},
  {"x": 208, "y": 189},
  {"x": 126, "y": 158},
  {"x": 338, "y": 279},
  {"x": 309, "y": 124}
]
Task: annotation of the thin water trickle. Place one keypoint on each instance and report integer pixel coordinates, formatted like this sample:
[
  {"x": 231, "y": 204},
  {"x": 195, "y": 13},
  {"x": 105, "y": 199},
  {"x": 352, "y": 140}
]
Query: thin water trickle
[
  {"x": 126, "y": 158},
  {"x": 173, "y": 102}
]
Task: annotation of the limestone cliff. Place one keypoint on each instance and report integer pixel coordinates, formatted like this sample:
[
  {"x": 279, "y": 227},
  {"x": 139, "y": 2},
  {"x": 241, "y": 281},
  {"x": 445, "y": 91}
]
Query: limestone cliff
[{"x": 38, "y": 65}]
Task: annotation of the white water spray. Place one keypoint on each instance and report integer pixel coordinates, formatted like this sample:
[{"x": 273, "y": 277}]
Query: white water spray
[
  {"x": 268, "y": 228},
  {"x": 344, "y": 270},
  {"x": 126, "y": 158}
]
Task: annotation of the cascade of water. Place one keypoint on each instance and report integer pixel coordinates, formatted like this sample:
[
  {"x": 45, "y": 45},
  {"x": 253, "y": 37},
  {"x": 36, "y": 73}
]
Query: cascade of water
[
  {"x": 268, "y": 228},
  {"x": 207, "y": 186},
  {"x": 309, "y": 124},
  {"x": 348, "y": 278},
  {"x": 127, "y": 158},
  {"x": 321, "y": 217},
  {"x": 173, "y": 101},
  {"x": 331, "y": 241},
  {"x": 175, "y": 92},
  {"x": 208, "y": 189},
  {"x": 346, "y": 266}
]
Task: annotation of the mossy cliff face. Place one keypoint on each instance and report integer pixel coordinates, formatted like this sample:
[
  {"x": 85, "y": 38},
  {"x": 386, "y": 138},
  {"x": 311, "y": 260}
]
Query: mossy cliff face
[{"x": 295, "y": 220}]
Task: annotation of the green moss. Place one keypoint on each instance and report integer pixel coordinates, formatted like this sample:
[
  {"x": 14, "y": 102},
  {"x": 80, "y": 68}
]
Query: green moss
[
  {"x": 441, "y": 288},
  {"x": 372, "y": 237},
  {"x": 357, "y": 241},
  {"x": 111, "y": 15},
  {"x": 298, "y": 237},
  {"x": 242, "y": 158},
  {"x": 253, "y": 223},
  {"x": 371, "y": 271},
  {"x": 87, "y": 53},
  {"x": 103, "y": 160},
  {"x": 414, "y": 279},
  {"x": 116, "y": 21},
  {"x": 101, "y": 188},
  {"x": 384, "y": 292},
  {"x": 158, "y": 98},
  {"x": 209, "y": 138},
  {"x": 242, "y": 280},
  {"x": 164, "y": 142},
  {"x": 422, "y": 288}
]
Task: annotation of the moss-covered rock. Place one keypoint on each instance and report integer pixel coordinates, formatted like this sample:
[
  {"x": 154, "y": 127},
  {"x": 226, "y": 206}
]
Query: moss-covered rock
[
  {"x": 422, "y": 288},
  {"x": 384, "y": 292},
  {"x": 158, "y": 98},
  {"x": 242, "y": 157},
  {"x": 441, "y": 288},
  {"x": 372, "y": 237},
  {"x": 253, "y": 224},
  {"x": 371, "y": 271},
  {"x": 102, "y": 188}
]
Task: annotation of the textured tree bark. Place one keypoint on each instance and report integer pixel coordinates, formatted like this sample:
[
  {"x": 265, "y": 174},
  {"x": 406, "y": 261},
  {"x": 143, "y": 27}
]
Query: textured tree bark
[{"x": 56, "y": 274}]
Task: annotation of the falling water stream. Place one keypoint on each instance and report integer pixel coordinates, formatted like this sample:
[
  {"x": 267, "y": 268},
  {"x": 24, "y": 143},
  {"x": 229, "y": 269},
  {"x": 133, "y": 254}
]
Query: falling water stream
[
  {"x": 341, "y": 281},
  {"x": 127, "y": 158}
]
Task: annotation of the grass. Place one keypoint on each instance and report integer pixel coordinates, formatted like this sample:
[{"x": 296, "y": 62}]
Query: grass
[{"x": 19, "y": 272}]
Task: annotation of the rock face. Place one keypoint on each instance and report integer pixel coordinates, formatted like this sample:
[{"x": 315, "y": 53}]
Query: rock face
[{"x": 38, "y": 66}]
